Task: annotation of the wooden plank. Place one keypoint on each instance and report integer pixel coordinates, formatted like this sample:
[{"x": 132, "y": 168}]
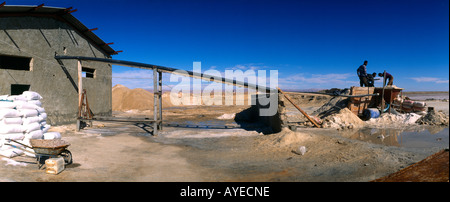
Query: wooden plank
[
  {"x": 357, "y": 105},
  {"x": 80, "y": 87}
]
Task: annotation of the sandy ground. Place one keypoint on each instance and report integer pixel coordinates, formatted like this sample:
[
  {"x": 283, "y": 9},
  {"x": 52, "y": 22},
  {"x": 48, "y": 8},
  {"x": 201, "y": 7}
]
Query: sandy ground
[{"x": 188, "y": 150}]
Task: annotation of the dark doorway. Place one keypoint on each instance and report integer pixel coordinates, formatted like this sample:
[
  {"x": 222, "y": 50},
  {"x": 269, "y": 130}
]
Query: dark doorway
[{"x": 18, "y": 89}]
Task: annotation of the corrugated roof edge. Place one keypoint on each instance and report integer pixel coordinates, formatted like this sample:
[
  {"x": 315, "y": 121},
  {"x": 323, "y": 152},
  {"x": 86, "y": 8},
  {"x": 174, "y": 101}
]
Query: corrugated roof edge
[{"x": 59, "y": 13}]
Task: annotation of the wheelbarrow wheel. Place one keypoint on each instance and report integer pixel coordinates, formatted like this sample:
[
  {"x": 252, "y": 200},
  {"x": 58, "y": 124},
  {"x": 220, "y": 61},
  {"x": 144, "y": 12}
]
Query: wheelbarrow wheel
[{"x": 67, "y": 156}]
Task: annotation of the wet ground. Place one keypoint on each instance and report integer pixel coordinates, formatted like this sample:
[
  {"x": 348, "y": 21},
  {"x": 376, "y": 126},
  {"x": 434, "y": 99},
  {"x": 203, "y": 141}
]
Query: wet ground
[{"x": 412, "y": 137}]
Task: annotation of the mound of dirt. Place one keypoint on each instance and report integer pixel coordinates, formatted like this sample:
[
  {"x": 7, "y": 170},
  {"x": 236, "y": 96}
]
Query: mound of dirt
[
  {"x": 342, "y": 120},
  {"x": 433, "y": 118},
  {"x": 285, "y": 138},
  {"x": 124, "y": 99}
]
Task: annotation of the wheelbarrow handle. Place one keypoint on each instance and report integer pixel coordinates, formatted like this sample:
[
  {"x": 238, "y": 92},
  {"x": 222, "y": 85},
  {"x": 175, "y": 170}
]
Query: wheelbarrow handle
[
  {"x": 21, "y": 148},
  {"x": 20, "y": 143}
]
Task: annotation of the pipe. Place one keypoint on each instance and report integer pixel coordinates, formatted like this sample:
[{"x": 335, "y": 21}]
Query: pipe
[{"x": 168, "y": 70}]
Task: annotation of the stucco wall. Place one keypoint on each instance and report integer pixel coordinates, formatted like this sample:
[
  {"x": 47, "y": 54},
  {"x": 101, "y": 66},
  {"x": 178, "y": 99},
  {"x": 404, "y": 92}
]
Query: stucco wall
[
  {"x": 40, "y": 38},
  {"x": 276, "y": 121}
]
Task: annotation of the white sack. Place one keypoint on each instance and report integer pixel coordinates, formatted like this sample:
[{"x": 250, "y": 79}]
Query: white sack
[
  {"x": 30, "y": 120},
  {"x": 40, "y": 110},
  {"x": 17, "y": 120},
  {"x": 45, "y": 128},
  {"x": 31, "y": 127},
  {"x": 29, "y": 151},
  {"x": 9, "y": 113},
  {"x": 7, "y": 105},
  {"x": 12, "y": 136},
  {"x": 28, "y": 112},
  {"x": 6, "y": 145},
  {"x": 11, "y": 128},
  {"x": 17, "y": 97},
  {"x": 37, "y": 134},
  {"x": 43, "y": 116},
  {"x": 52, "y": 135},
  {"x": 35, "y": 102},
  {"x": 31, "y": 95},
  {"x": 11, "y": 152},
  {"x": 26, "y": 141},
  {"x": 25, "y": 105}
]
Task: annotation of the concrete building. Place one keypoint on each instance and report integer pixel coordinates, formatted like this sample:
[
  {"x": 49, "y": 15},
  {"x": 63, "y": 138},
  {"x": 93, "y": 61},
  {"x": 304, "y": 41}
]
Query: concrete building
[{"x": 30, "y": 37}]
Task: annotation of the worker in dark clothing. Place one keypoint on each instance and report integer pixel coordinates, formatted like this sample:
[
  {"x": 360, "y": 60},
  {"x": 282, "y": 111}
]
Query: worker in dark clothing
[
  {"x": 388, "y": 76},
  {"x": 371, "y": 79},
  {"x": 362, "y": 74}
]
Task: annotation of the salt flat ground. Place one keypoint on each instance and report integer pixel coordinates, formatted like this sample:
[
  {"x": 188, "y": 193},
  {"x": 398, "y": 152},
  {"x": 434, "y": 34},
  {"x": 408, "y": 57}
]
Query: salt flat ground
[{"x": 192, "y": 151}]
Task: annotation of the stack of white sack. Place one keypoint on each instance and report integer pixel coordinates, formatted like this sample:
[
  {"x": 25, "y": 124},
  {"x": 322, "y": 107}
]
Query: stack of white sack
[{"x": 22, "y": 118}]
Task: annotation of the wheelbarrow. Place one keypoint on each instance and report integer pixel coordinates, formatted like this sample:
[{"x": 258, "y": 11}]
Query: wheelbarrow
[{"x": 45, "y": 149}]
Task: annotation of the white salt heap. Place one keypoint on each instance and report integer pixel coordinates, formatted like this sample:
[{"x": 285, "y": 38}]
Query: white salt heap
[
  {"x": 394, "y": 119},
  {"x": 227, "y": 116},
  {"x": 342, "y": 120}
]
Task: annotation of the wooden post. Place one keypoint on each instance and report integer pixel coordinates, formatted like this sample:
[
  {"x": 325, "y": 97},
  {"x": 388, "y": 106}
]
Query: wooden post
[
  {"x": 390, "y": 101},
  {"x": 160, "y": 98},
  {"x": 155, "y": 101},
  {"x": 80, "y": 93},
  {"x": 382, "y": 92}
]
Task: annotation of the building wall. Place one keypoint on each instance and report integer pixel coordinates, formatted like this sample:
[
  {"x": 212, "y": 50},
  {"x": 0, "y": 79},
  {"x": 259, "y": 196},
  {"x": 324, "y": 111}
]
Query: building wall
[
  {"x": 277, "y": 121},
  {"x": 40, "y": 38}
]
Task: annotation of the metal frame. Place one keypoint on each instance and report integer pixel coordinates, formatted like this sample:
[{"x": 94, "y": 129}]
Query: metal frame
[
  {"x": 157, "y": 87},
  {"x": 157, "y": 91}
]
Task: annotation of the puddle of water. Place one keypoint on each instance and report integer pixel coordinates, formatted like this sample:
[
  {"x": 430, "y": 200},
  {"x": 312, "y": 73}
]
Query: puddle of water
[{"x": 420, "y": 137}]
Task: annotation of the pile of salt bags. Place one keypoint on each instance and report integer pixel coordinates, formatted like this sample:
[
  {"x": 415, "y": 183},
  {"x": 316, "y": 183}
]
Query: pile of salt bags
[{"x": 22, "y": 118}]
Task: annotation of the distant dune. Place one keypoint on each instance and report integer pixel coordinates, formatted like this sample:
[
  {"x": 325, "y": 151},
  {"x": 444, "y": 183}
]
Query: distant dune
[{"x": 124, "y": 99}]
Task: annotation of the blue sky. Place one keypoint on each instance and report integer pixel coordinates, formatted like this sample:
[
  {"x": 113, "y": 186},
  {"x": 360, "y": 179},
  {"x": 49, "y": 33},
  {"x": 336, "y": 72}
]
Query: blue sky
[{"x": 312, "y": 43}]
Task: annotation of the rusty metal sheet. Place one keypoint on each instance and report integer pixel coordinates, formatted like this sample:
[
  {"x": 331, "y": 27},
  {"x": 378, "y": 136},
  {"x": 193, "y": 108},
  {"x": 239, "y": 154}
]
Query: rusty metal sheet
[{"x": 434, "y": 168}]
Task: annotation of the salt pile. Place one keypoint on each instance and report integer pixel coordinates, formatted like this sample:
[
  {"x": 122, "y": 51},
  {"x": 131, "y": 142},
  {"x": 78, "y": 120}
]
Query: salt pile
[
  {"x": 22, "y": 118},
  {"x": 433, "y": 118},
  {"x": 227, "y": 116},
  {"x": 344, "y": 119},
  {"x": 394, "y": 119}
]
